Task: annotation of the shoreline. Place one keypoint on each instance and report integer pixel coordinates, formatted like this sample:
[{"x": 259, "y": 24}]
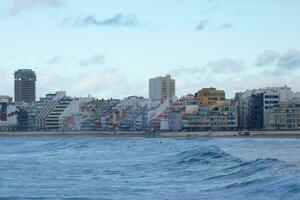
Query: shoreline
[
  {"x": 75, "y": 133},
  {"x": 244, "y": 134}
]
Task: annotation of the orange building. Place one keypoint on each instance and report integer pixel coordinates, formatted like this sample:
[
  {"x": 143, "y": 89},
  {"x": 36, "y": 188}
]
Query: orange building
[{"x": 209, "y": 96}]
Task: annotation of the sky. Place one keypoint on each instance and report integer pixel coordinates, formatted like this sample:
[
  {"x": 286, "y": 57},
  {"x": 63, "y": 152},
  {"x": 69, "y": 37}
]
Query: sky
[{"x": 110, "y": 48}]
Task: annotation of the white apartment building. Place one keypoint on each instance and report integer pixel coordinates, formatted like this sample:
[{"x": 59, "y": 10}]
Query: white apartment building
[
  {"x": 48, "y": 117},
  {"x": 161, "y": 88}
]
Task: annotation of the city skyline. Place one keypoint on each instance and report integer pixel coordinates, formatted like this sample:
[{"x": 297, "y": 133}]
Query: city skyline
[
  {"x": 112, "y": 49},
  {"x": 150, "y": 99}
]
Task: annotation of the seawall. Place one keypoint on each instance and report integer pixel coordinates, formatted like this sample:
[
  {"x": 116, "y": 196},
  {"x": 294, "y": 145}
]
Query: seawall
[
  {"x": 294, "y": 133},
  {"x": 74, "y": 133},
  {"x": 283, "y": 134}
]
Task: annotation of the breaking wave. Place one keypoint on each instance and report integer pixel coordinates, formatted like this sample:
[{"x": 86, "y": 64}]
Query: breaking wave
[{"x": 135, "y": 168}]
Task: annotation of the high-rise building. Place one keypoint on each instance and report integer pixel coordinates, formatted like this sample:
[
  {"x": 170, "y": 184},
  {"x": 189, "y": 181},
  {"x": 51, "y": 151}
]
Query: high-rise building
[
  {"x": 25, "y": 80},
  {"x": 161, "y": 88}
]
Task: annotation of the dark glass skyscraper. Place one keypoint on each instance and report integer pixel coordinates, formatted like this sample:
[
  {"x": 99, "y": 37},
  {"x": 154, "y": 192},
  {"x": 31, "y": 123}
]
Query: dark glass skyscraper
[{"x": 25, "y": 85}]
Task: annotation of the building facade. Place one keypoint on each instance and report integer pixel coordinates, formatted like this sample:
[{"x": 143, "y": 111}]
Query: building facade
[
  {"x": 284, "y": 116},
  {"x": 161, "y": 88},
  {"x": 47, "y": 118},
  {"x": 209, "y": 96},
  {"x": 254, "y": 105},
  {"x": 25, "y": 85},
  {"x": 52, "y": 120},
  {"x": 131, "y": 114},
  {"x": 71, "y": 118},
  {"x": 8, "y": 114},
  {"x": 222, "y": 116}
]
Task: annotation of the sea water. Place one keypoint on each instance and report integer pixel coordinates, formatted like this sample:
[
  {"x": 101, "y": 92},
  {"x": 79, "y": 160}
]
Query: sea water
[{"x": 89, "y": 167}]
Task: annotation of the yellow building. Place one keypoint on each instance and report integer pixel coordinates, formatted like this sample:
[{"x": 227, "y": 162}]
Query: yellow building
[{"x": 209, "y": 96}]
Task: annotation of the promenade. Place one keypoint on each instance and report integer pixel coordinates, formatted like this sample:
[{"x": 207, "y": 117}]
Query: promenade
[{"x": 284, "y": 134}]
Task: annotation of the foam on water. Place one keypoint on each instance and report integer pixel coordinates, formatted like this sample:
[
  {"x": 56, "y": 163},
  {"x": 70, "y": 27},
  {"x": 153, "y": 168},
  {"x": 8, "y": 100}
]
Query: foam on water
[{"x": 148, "y": 168}]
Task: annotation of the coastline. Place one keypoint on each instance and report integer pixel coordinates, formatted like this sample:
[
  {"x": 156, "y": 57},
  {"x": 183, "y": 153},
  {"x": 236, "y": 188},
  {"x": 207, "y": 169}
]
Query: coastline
[
  {"x": 75, "y": 133},
  {"x": 263, "y": 133}
]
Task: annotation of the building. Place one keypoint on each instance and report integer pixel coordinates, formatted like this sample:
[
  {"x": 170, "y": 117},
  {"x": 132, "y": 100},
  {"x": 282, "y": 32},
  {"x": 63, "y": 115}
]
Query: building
[
  {"x": 48, "y": 117},
  {"x": 222, "y": 116},
  {"x": 131, "y": 114},
  {"x": 22, "y": 119},
  {"x": 35, "y": 109},
  {"x": 284, "y": 116},
  {"x": 171, "y": 121},
  {"x": 27, "y": 113},
  {"x": 168, "y": 116},
  {"x": 155, "y": 113},
  {"x": 25, "y": 83},
  {"x": 209, "y": 96},
  {"x": 8, "y": 114},
  {"x": 52, "y": 119},
  {"x": 98, "y": 114},
  {"x": 6, "y": 98},
  {"x": 71, "y": 118},
  {"x": 161, "y": 88},
  {"x": 254, "y": 105}
]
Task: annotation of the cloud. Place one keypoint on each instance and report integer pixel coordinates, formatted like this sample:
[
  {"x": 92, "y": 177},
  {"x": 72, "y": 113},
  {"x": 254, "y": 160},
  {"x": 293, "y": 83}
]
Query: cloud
[
  {"x": 19, "y": 6},
  {"x": 289, "y": 60},
  {"x": 206, "y": 23},
  {"x": 227, "y": 25},
  {"x": 210, "y": 10},
  {"x": 185, "y": 70},
  {"x": 96, "y": 59},
  {"x": 220, "y": 66},
  {"x": 55, "y": 60},
  {"x": 51, "y": 80},
  {"x": 267, "y": 78},
  {"x": 237, "y": 82},
  {"x": 202, "y": 25},
  {"x": 107, "y": 83},
  {"x": 267, "y": 58},
  {"x": 234, "y": 75},
  {"x": 101, "y": 82},
  {"x": 226, "y": 65},
  {"x": 66, "y": 20},
  {"x": 119, "y": 20}
]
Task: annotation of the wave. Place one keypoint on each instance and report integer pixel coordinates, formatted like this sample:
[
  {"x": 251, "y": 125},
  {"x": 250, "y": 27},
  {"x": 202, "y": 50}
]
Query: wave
[
  {"x": 266, "y": 177},
  {"x": 40, "y": 147},
  {"x": 247, "y": 169},
  {"x": 203, "y": 155}
]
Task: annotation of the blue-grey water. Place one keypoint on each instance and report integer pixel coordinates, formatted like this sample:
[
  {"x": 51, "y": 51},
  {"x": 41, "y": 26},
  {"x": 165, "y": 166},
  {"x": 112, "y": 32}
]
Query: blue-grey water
[{"x": 88, "y": 167}]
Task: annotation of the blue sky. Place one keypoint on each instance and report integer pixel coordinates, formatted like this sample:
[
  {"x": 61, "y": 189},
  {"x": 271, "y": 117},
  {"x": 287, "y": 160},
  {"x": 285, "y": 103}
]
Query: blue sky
[{"x": 110, "y": 48}]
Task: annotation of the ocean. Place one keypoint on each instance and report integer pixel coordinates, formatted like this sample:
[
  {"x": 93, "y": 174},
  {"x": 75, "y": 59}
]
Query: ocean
[{"x": 137, "y": 168}]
